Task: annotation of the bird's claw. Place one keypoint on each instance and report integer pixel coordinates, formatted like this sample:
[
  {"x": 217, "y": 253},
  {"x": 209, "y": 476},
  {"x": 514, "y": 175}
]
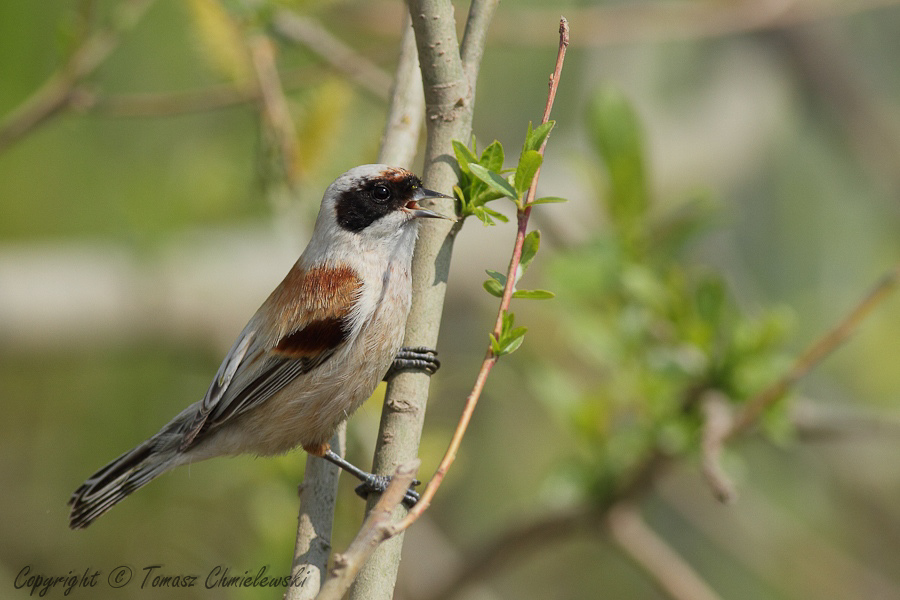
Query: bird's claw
[
  {"x": 418, "y": 358},
  {"x": 377, "y": 484}
]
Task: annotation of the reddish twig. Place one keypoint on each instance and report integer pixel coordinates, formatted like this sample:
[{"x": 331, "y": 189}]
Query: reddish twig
[{"x": 490, "y": 358}]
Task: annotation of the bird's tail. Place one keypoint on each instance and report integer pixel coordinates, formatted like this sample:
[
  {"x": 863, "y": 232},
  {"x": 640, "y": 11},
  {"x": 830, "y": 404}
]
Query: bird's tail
[{"x": 116, "y": 480}]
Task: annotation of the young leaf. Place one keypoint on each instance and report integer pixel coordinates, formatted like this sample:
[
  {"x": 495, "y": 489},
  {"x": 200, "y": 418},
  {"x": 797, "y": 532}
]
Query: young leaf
[
  {"x": 464, "y": 156},
  {"x": 493, "y": 287},
  {"x": 618, "y": 137},
  {"x": 495, "y": 345},
  {"x": 481, "y": 213},
  {"x": 534, "y": 139},
  {"x": 549, "y": 200},
  {"x": 497, "y": 275},
  {"x": 534, "y": 294},
  {"x": 530, "y": 248},
  {"x": 529, "y": 163},
  {"x": 492, "y": 157},
  {"x": 513, "y": 344},
  {"x": 494, "y": 181},
  {"x": 496, "y": 215}
]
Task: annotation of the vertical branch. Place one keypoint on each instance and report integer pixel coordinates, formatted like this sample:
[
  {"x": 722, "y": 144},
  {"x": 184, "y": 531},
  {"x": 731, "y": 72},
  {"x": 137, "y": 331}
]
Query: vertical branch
[
  {"x": 448, "y": 109},
  {"x": 491, "y": 357},
  {"x": 317, "y": 497},
  {"x": 407, "y": 109}
]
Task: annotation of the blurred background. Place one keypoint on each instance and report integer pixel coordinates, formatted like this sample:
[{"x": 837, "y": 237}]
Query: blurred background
[{"x": 732, "y": 171}]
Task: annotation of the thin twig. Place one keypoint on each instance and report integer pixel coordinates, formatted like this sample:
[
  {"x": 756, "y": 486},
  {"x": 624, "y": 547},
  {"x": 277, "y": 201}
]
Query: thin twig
[
  {"x": 664, "y": 565},
  {"x": 490, "y": 358},
  {"x": 56, "y": 94},
  {"x": 343, "y": 58},
  {"x": 814, "y": 354},
  {"x": 716, "y": 425},
  {"x": 276, "y": 114},
  {"x": 374, "y": 530}
]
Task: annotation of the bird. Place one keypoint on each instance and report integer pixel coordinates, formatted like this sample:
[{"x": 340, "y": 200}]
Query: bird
[{"x": 311, "y": 354}]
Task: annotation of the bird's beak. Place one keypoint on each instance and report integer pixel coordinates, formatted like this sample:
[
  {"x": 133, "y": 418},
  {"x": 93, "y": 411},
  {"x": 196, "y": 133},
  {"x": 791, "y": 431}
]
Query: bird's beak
[{"x": 412, "y": 207}]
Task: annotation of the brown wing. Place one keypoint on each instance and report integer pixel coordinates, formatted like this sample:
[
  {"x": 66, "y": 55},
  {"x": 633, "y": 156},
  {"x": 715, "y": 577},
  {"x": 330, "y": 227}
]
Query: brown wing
[{"x": 301, "y": 325}]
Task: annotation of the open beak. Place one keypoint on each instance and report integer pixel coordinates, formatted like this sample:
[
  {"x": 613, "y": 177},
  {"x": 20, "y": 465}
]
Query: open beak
[{"x": 413, "y": 208}]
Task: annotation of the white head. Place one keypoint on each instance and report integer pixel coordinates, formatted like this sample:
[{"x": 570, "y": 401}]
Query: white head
[{"x": 372, "y": 207}]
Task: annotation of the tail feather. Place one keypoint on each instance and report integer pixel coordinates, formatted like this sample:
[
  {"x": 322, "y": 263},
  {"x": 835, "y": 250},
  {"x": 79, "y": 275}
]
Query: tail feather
[{"x": 116, "y": 480}]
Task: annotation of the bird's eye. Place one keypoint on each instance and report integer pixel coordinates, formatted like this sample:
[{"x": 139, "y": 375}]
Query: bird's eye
[{"x": 381, "y": 193}]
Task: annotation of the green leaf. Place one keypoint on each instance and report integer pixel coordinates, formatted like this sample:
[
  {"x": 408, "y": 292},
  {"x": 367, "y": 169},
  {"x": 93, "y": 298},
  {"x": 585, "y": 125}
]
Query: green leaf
[
  {"x": 512, "y": 345},
  {"x": 534, "y": 294},
  {"x": 530, "y": 247},
  {"x": 550, "y": 200},
  {"x": 492, "y": 157},
  {"x": 495, "y": 346},
  {"x": 534, "y": 139},
  {"x": 617, "y": 134},
  {"x": 497, "y": 275},
  {"x": 529, "y": 163},
  {"x": 481, "y": 213},
  {"x": 494, "y": 181},
  {"x": 464, "y": 156},
  {"x": 494, "y": 287},
  {"x": 495, "y": 214}
]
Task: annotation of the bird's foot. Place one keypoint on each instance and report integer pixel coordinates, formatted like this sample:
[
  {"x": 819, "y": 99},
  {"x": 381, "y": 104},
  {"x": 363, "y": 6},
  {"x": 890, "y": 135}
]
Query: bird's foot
[
  {"x": 417, "y": 358},
  {"x": 377, "y": 484}
]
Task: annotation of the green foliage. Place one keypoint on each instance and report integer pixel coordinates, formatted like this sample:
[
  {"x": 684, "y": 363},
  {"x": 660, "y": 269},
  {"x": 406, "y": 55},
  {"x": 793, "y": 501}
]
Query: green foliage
[
  {"x": 617, "y": 136},
  {"x": 652, "y": 331},
  {"x": 482, "y": 180},
  {"x": 511, "y": 337}
]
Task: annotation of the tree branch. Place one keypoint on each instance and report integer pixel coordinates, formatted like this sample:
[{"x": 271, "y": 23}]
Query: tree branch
[
  {"x": 374, "y": 530},
  {"x": 815, "y": 353},
  {"x": 717, "y": 422},
  {"x": 398, "y": 147},
  {"x": 672, "y": 574},
  {"x": 275, "y": 112},
  {"x": 614, "y": 24},
  {"x": 448, "y": 110},
  {"x": 318, "y": 493},
  {"x": 340, "y": 56},
  {"x": 491, "y": 358}
]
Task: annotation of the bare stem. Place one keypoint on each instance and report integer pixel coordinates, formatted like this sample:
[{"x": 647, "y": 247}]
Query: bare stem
[
  {"x": 318, "y": 493},
  {"x": 665, "y": 566}
]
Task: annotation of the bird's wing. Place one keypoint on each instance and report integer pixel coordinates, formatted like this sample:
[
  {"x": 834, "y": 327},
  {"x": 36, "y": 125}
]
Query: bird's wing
[{"x": 299, "y": 327}]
